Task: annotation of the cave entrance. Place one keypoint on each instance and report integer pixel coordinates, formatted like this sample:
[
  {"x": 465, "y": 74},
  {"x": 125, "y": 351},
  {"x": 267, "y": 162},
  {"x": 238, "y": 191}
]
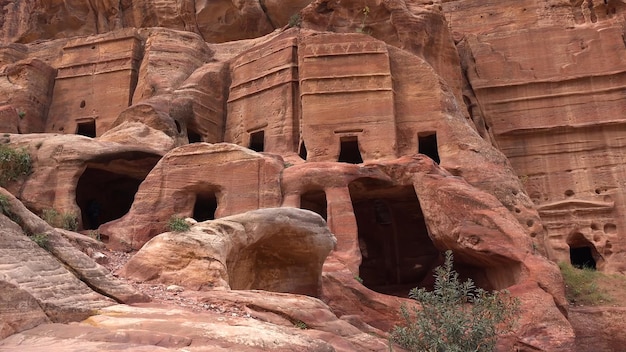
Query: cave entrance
[
  {"x": 86, "y": 128},
  {"x": 205, "y": 206},
  {"x": 315, "y": 201},
  {"x": 582, "y": 253},
  {"x": 257, "y": 141},
  {"x": 194, "y": 137},
  {"x": 302, "y": 153},
  {"x": 349, "y": 151},
  {"x": 103, "y": 196},
  {"x": 397, "y": 252},
  {"x": 427, "y": 145},
  {"x": 581, "y": 257}
]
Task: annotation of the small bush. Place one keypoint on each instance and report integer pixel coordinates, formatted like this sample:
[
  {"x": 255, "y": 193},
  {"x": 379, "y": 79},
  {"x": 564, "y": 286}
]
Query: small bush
[
  {"x": 295, "y": 20},
  {"x": 66, "y": 220},
  {"x": 581, "y": 285},
  {"x": 41, "y": 239},
  {"x": 178, "y": 224},
  {"x": 455, "y": 316},
  {"x": 5, "y": 208},
  {"x": 14, "y": 164},
  {"x": 300, "y": 325}
]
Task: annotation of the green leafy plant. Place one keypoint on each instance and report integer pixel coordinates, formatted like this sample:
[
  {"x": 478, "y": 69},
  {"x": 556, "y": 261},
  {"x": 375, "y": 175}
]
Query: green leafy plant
[
  {"x": 358, "y": 278},
  {"x": 95, "y": 235},
  {"x": 295, "y": 20},
  {"x": 178, "y": 224},
  {"x": 455, "y": 316},
  {"x": 300, "y": 325},
  {"x": 66, "y": 220},
  {"x": 581, "y": 285},
  {"x": 69, "y": 221},
  {"x": 5, "y": 208},
  {"x": 14, "y": 163},
  {"x": 41, "y": 239},
  {"x": 21, "y": 114}
]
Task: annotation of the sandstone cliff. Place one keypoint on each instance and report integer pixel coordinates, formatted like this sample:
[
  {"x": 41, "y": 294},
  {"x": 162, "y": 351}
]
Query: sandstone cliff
[{"x": 489, "y": 128}]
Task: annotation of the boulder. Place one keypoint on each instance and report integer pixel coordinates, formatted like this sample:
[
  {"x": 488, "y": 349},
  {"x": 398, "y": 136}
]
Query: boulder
[{"x": 279, "y": 250}]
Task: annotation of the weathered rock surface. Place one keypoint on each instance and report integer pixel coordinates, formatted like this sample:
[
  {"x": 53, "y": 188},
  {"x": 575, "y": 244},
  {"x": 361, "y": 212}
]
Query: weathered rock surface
[
  {"x": 73, "y": 261},
  {"x": 36, "y": 288},
  {"x": 161, "y": 329},
  {"x": 180, "y": 185},
  {"x": 276, "y": 249},
  {"x": 357, "y": 81},
  {"x": 555, "y": 109},
  {"x": 598, "y": 328}
]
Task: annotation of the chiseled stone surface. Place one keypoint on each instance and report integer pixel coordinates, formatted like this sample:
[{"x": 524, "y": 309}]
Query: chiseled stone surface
[
  {"x": 213, "y": 173},
  {"x": 526, "y": 132},
  {"x": 273, "y": 249},
  {"x": 555, "y": 109}
]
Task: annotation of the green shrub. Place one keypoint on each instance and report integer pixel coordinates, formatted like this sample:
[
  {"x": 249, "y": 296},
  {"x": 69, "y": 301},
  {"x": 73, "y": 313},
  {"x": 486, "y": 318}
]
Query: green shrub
[
  {"x": 41, "y": 239},
  {"x": 581, "y": 285},
  {"x": 66, "y": 220},
  {"x": 295, "y": 20},
  {"x": 178, "y": 224},
  {"x": 455, "y": 316},
  {"x": 5, "y": 208},
  {"x": 14, "y": 164},
  {"x": 300, "y": 325}
]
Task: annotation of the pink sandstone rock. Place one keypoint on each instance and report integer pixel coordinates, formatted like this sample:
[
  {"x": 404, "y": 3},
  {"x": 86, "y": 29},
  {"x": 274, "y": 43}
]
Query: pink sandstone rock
[
  {"x": 278, "y": 250},
  {"x": 197, "y": 180}
]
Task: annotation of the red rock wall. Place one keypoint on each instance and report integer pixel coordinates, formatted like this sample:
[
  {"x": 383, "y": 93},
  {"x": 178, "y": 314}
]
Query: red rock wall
[{"x": 550, "y": 89}]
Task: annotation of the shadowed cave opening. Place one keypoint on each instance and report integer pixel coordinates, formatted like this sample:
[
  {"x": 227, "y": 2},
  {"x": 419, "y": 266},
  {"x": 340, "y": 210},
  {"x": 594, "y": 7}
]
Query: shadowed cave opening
[
  {"x": 194, "y": 137},
  {"x": 106, "y": 189},
  {"x": 205, "y": 206},
  {"x": 257, "y": 141},
  {"x": 582, "y": 253},
  {"x": 86, "y": 128},
  {"x": 302, "y": 152},
  {"x": 581, "y": 257},
  {"x": 315, "y": 201},
  {"x": 397, "y": 252},
  {"x": 427, "y": 145},
  {"x": 103, "y": 196},
  {"x": 349, "y": 151}
]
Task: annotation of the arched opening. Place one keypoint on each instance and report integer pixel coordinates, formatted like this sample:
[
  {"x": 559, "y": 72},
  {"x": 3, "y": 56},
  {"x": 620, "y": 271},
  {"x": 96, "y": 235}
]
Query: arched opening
[
  {"x": 349, "y": 151},
  {"x": 106, "y": 189},
  {"x": 397, "y": 252},
  {"x": 302, "y": 153},
  {"x": 104, "y": 196},
  {"x": 427, "y": 145},
  {"x": 86, "y": 128},
  {"x": 257, "y": 141},
  {"x": 582, "y": 253},
  {"x": 315, "y": 201},
  {"x": 205, "y": 206},
  {"x": 193, "y": 136}
]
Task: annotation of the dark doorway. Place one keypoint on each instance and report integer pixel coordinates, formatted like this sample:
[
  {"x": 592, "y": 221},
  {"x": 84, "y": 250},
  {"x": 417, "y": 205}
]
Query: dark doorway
[
  {"x": 397, "y": 252},
  {"x": 193, "y": 137},
  {"x": 427, "y": 145},
  {"x": 582, "y": 257},
  {"x": 205, "y": 206},
  {"x": 87, "y": 128},
  {"x": 349, "y": 151},
  {"x": 315, "y": 201},
  {"x": 104, "y": 196},
  {"x": 302, "y": 153},
  {"x": 257, "y": 141}
]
